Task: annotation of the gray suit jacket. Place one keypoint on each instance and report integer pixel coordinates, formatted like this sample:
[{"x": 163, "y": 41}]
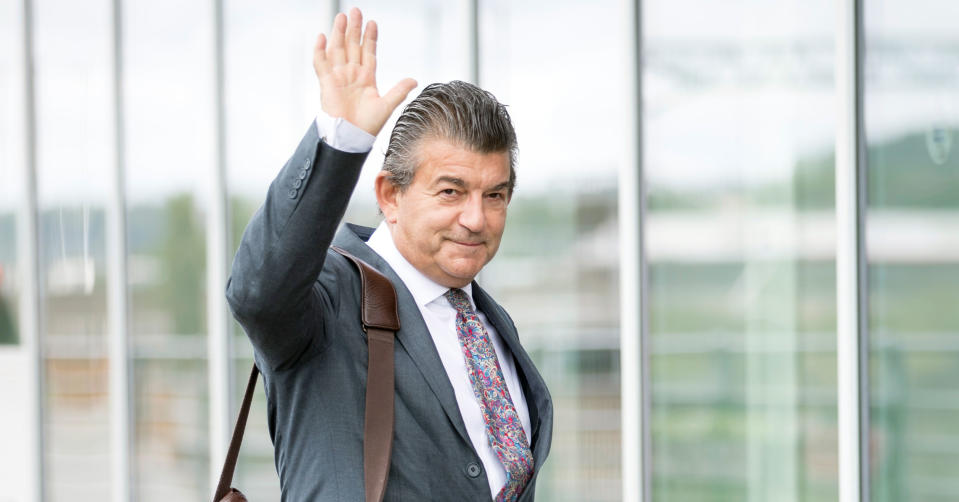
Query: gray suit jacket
[{"x": 299, "y": 303}]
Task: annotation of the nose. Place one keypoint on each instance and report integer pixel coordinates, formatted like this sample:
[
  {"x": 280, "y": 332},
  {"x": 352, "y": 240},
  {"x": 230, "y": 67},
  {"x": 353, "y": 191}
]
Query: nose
[{"x": 472, "y": 216}]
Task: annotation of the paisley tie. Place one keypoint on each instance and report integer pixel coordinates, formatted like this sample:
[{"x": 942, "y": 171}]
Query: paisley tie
[{"x": 503, "y": 427}]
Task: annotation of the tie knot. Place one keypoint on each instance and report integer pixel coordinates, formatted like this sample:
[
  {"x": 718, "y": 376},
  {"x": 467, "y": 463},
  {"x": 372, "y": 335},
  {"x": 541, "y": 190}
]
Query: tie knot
[{"x": 458, "y": 299}]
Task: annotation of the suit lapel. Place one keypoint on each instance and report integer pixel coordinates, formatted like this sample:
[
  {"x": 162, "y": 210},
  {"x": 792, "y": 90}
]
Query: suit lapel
[
  {"x": 537, "y": 397},
  {"x": 413, "y": 335}
]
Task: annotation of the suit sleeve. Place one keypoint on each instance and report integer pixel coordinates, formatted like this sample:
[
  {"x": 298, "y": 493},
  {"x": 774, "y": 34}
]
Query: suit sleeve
[{"x": 272, "y": 289}]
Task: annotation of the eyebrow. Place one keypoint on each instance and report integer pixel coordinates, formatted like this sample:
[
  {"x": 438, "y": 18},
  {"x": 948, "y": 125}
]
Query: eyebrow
[
  {"x": 462, "y": 184},
  {"x": 452, "y": 180}
]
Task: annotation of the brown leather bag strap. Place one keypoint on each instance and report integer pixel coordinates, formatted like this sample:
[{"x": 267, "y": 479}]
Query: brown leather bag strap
[
  {"x": 229, "y": 465},
  {"x": 380, "y": 321}
]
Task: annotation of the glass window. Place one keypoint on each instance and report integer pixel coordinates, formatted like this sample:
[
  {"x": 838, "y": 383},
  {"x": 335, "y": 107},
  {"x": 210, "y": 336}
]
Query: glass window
[
  {"x": 738, "y": 156},
  {"x": 912, "y": 230},
  {"x": 18, "y": 424},
  {"x": 271, "y": 93},
  {"x": 557, "y": 268},
  {"x": 75, "y": 157},
  {"x": 170, "y": 158},
  {"x": 11, "y": 166}
]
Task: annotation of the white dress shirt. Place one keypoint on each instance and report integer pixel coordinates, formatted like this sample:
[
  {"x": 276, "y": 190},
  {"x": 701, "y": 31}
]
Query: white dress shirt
[
  {"x": 440, "y": 318},
  {"x": 343, "y": 135}
]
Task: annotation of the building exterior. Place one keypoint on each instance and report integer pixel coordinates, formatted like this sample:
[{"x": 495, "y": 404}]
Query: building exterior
[{"x": 733, "y": 250}]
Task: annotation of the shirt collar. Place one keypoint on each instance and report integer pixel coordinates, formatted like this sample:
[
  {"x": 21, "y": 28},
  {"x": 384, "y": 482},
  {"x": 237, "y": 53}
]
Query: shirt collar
[{"x": 423, "y": 289}]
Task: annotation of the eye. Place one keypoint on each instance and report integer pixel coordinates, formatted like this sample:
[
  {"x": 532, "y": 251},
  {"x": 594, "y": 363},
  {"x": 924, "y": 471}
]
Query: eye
[{"x": 448, "y": 191}]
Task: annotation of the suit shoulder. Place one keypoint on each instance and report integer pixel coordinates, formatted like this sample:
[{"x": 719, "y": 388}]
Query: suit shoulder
[
  {"x": 331, "y": 279},
  {"x": 336, "y": 272},
  {"x": 509, "y": 318}
]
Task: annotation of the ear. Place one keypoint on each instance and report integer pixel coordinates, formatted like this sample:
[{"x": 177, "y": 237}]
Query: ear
[{"x": 386, "y": 195}]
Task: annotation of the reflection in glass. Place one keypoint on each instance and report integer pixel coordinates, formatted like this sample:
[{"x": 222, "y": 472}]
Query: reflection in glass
[
  {"x": 169, "y": 157},
  {"x": 74, "y": 160},
  {"x": 738, "y": 125},
  {"x": 557, "y": 268},
  {"x": 912, "y": 225}
]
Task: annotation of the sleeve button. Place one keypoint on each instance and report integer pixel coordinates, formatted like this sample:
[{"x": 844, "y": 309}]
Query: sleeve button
[
  {"x": 302, "y": 174},
  {"x": 297, "y": 183},
  {"x": 473, "y": 470},
  {"x": 306, "y": 164},
  {"x": 292, "y": 194}
]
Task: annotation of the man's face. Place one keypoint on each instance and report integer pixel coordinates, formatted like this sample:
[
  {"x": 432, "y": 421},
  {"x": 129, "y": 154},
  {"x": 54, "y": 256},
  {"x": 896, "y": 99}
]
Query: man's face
[{"x": 449, "y": 220}]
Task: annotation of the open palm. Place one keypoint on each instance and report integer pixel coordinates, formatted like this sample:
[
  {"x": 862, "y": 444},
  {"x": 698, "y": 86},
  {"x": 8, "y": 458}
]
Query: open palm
[{"x": 346, "y": 68}]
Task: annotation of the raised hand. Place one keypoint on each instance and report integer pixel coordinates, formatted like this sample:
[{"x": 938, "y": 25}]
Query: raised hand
[{"x": 346, "y": 68}]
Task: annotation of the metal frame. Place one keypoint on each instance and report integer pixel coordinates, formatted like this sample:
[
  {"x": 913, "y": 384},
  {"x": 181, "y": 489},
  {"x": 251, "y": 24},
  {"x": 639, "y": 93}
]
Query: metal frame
[
  {"x": 634, "y": 357},
  {"x": 219, "y": 354},
  {"x": 120, "y": 384},
  {"x": 28, "y": 255},
  {"x": 334, "y": 9},
  {"x": 851, "y": 288},
  {"x": 474, "y": 41}
]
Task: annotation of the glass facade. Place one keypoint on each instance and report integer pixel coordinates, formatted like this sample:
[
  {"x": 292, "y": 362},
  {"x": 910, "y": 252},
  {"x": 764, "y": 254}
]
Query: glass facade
[
  {"x": 169, "y": 150},
  {"x": 738, "y": 230},
  {"x": 16, "y": 422},
  {"x": 557, "y": 268},
  {"x": 73, "y": 53},
  {"x": 11, "y": 173},
  {"x": 912, "y": 241},
  {"x": 739, "y": 128}
]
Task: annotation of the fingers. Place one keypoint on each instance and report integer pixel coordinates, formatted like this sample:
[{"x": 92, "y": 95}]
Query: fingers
[
  {"x": 336, "y": 52},
  {"x": 398, "y": 93},
  {"x": 369, "y": 45},
  {"x": 353, "y": 27},
  {"x": 320, "y": 64}
]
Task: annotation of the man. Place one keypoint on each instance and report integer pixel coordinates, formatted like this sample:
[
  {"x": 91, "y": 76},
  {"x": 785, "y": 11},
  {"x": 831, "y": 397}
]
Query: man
[{"x": 473, "y": 417}]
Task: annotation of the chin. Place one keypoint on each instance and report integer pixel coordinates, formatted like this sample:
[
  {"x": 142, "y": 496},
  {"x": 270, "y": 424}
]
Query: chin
[{"x": 460, "y": 273}]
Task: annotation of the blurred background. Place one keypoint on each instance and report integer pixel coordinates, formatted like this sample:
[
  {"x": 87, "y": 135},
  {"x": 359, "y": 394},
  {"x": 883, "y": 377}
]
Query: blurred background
[{"x": 137, "y": 138}]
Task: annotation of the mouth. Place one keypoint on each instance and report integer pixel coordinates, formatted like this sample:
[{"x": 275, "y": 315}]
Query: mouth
[{"x": 466, "y": 243}]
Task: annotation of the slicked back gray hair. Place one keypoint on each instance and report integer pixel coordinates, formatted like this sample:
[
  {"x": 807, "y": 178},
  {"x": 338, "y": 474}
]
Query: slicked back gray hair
[{"x": 458, "y": 112}]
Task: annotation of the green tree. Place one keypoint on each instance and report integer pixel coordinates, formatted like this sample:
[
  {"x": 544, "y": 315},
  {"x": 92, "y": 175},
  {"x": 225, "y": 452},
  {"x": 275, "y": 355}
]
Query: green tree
[{"x": 183, "y": 260}]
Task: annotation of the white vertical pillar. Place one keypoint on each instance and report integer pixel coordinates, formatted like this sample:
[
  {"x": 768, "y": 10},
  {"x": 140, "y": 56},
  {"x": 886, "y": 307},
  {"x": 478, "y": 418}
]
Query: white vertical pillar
[
  {"x": 334, "y": 9},
  {"x": 117, "y": 305},
  {"x": 218, "y": 341},
  {"x": 28, "y": 253},
  {"x": 852, "y": 347},
  {"x": 634, "y": 359},
  {"x": 473, "y": 56}
]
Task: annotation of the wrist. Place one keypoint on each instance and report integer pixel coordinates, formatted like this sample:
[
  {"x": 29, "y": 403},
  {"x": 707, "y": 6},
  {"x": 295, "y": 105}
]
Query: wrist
[{"x": 342, "y": 134}]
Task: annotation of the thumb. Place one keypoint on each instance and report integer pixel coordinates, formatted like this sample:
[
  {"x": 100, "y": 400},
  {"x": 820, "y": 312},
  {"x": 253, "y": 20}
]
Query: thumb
[{"x": 398, "y": 93}]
